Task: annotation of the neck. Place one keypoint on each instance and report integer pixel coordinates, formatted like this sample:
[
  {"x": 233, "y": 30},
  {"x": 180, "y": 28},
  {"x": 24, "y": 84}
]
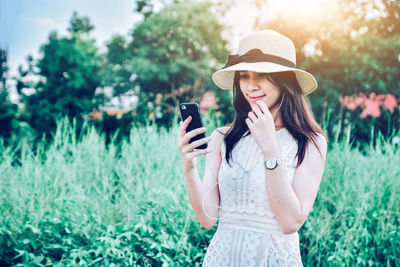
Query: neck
[
  {"x": 278, "y": 121},
  {"x": 278, "y": 115}
]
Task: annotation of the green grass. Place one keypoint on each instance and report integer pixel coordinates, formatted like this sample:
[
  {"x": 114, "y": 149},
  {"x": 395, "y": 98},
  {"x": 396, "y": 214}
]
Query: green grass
[{"x": 85, "y": 203}]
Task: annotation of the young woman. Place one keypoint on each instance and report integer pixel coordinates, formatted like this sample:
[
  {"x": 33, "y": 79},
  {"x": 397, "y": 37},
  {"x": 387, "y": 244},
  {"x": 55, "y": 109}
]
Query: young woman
[{"x": 263, "y": 171}]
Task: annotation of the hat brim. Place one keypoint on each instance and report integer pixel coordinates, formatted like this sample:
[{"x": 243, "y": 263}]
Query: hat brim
[{"x": 223, "y": 78}]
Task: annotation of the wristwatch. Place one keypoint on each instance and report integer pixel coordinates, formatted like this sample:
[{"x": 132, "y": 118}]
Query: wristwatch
[{"x": 272, "y": 163}]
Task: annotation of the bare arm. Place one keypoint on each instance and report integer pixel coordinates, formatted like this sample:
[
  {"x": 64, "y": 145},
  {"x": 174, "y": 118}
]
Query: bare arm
[
  {"x": 291, "y": 203},
  {"x": 198, "y": 189}
]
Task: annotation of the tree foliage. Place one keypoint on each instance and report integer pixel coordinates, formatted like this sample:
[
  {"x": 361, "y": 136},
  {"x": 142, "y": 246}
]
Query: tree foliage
[
  {"x": 8, "y": 110},
  {"x": 356, "y": 49},
  {"x": 3, "y": 67},
  {"x": 169, "y": 57},
  {"x": 80, "y": 25},
  {"x": 68, "y": 74},
  {"x": 174, "y": 52},
  {"x": 356, "y": 52},
  {"x": 117, "y": 69}
]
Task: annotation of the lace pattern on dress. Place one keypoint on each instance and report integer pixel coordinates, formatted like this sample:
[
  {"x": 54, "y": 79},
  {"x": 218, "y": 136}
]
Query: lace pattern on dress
[
  {"x": 248, "y": 233},
  {"x": 243, "y": 248},
  {"x": 282, "y": 252},
  {"x": 245, "y": 175},
  {"x": 219, "y": 250}
]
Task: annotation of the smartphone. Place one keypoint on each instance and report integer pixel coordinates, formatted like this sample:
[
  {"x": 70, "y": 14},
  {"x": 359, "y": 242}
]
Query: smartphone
[{"x": 193, "y": 109}]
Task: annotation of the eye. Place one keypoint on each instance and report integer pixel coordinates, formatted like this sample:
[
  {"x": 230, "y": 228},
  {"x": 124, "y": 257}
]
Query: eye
[{"x": 243, "y": 76}]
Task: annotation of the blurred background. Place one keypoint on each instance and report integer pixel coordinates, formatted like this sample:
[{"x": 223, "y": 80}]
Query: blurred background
[
  {"x": 89, "y": 93},
  {"x": 131, "y": 62}
]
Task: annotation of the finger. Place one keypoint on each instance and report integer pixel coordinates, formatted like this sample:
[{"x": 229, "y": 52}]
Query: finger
[
  {"x": 263, "y": 106},
  {"x": 195, "y": 144},
  {"x": 180, "y": 128},
  {"x": 199, "y": 152},
  {"x": 193, "y": 133},
  {"x": 183, "y": 126},
  {"x": 249, "y": 123},
  {"x": 252, "y": 116},
  {"x": 186, "y": 122},
  {"x": 257, "y": 111}
]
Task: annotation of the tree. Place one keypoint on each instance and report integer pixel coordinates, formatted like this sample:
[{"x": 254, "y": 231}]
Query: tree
[
  {"x": 3, "y": 67},
  {"x": 146, "y": 7},
  {"x": 68, "y": 73},
  {"x": 173, "y": 55},
  {"x": 8, "y": 110},
  {"x": 355, "y": 50},
  {"x": 117, "y": 69},
  {"x": 80, "y": 25}
]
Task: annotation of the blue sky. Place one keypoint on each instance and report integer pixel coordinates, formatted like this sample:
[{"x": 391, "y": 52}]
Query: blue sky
[{"x": 26, "y": 24}]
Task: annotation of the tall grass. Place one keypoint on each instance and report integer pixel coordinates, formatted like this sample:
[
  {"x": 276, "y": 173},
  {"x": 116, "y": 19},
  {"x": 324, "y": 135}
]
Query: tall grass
[{"x": 80, "y": 202}]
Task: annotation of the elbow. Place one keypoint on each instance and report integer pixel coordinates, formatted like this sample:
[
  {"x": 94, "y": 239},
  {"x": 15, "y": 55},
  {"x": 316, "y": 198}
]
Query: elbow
[
  {"x": 208, "y": 224},
  {"x": 288, "y": 231},
  {"x": 292, "y": 225},
  {"x": 291, "y": 228}
]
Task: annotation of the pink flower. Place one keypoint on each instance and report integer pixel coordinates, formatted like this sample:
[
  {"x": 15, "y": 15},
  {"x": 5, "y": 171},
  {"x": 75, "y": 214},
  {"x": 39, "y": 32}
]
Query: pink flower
[
  {"x": 371, "y": 108},
  {"x": 380, "y": 98},
  {"x": 370, "y": 104},
  {"x": 348, "y": 102},
  {"x": 351, "y": 106},
  {"x": 390, "y": 102}
]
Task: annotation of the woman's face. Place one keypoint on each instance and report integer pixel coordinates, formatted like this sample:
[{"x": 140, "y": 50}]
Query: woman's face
[{"x": 256, "y": 86}]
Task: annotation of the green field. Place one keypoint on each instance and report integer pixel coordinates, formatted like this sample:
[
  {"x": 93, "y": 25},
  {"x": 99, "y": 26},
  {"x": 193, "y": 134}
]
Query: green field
[{"x": 85, "y": 203}]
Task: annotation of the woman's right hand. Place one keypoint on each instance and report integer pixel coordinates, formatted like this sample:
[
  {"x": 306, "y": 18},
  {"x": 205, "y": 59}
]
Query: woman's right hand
[{"x": 188, "y": 154}]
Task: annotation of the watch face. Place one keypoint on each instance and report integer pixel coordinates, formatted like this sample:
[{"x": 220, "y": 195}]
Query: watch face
[{"x": 271, "y": 163}]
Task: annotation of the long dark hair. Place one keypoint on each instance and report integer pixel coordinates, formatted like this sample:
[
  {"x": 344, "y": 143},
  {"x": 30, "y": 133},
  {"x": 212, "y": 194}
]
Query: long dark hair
[{"x": 296, "y": 112}]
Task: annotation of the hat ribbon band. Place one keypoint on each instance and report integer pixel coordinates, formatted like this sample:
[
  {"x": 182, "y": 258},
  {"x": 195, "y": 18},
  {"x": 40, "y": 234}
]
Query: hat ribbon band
[{"x": 256, "y": 55}]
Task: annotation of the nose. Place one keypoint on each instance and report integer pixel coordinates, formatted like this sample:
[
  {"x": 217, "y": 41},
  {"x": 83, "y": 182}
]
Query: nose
[{"x": 252, "y": 84}]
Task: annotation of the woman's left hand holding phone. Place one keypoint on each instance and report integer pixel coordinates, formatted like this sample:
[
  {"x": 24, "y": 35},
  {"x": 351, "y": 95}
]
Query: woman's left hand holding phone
[{"x": 188, "y": 154}]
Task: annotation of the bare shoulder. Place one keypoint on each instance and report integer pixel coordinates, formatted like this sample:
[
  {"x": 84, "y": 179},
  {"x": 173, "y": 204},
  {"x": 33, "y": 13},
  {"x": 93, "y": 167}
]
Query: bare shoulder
[
  {"x": 321, "y": 143},
  {"x": 222, "y": 130},
  {"x": 217, "y": 136}
]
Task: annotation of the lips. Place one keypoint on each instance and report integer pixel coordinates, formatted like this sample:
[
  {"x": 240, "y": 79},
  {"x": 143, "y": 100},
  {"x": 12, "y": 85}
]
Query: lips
[{"x": 255, "y": 98}]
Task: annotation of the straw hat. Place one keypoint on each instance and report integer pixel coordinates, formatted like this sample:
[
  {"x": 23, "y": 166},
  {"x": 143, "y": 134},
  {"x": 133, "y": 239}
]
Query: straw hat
[{"x": 266, "y": 51}]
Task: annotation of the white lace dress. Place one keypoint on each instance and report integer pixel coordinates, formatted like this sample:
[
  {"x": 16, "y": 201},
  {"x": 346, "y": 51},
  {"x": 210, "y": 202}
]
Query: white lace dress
[{"x": 248, "y": 233}]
